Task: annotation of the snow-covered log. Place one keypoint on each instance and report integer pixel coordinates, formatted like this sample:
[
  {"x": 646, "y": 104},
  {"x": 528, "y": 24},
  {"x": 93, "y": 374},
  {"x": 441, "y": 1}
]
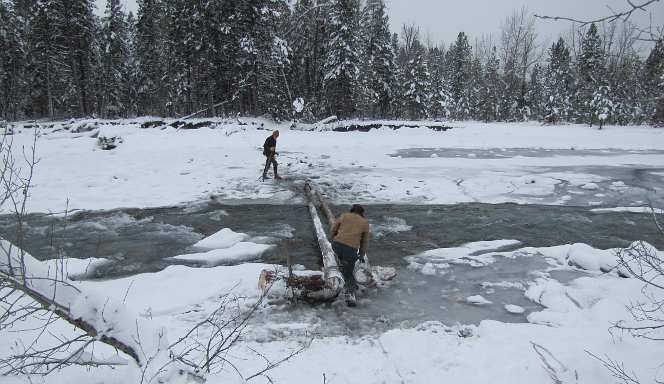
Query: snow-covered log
[
  {"x": 333, "y": 278},
  {"x": 99, "y": 318}
]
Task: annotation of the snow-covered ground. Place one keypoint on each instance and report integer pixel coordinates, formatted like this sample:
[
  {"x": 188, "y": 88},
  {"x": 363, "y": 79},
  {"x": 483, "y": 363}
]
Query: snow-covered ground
[
  {"x": 574, "y": 321},
  {"x": 154, "y": 167},
  {"x": 473, "y": 162}
]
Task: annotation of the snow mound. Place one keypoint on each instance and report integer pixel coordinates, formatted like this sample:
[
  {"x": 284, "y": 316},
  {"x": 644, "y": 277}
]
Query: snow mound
[
  {"x": 477, "y": 254},
  {"x": 582, "y": 256},
  {"x": 76, "y": 269},
  {"x": 237, "y": 253},
  {"x": 225, "y": 238}
]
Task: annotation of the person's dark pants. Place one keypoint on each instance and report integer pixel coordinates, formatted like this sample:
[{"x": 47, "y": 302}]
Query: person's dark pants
[
  {"x": 347, "y": 258},
  {"x": 273, "y": 161}
]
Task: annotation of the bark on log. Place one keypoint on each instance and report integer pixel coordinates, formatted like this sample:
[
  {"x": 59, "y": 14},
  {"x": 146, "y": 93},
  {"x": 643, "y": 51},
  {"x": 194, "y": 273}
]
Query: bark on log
[{"x": 327, "y": 212}]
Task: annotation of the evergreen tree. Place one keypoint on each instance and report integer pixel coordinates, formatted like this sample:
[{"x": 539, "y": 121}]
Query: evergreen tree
[
  {"x": 654, "y": 80},
  {"x": 115, "y": 54},
  {"x": 441, "y": 102},
  {"x": 489, "y": 108},
  {"x": 77, "y": 39},
  {"x": 130, "y": 76},
  {"x": 535, "y": 95},
  {"x": 629, "y": 93},
  {"x": 601, "y": 106},
  {"x": 308, "y": 25},
  {"x": 150, "y": 57},
  {"x": 416, "y": 83},
  {"x": 590, "y": 73},
  {"x": 459, "y": 61},
  {"x": 474, "y": 88},
  {"x": 341, "y": 63},
  {"x": 378, "y": 78},
  {"x": 11, "y": 63},
  {"x": 558, "y": 84}
]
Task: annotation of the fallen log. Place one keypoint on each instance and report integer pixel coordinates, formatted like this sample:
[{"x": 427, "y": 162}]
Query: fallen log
[
  {"x": 333, "y": 277},
  {"x": 363, "y": 272}
]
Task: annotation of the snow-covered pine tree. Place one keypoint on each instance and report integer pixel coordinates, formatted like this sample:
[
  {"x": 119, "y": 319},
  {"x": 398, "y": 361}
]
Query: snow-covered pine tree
[
  {"x": 306, "y": 35},
  {"x": 654, "y": 79},
  {"x": 377, "y": 75},
  {"x": 180, "y": 23},
  {"x": 441, "y": 102},
  {"x": 474, "y": 88},
  {"x": 342, "y": 57},
  {"x": 416, "y": 82},
  {"x": 273, "y": 92},
  {"x": 459, "y": 62},
  {"x": 490, "y": 96},
  {"x": 535, "y": 95},
  {"x": 45, "y": 61},
  {"x": 11, "y": 62},
  {"x": 629, "y": 94},
  {"x": 115, "y": 51},
  {"x": 397, "y": 104},
  {"x": 76, "y": 37},
  {"x": 590, "y": 70},
  {"x": 601, "y": 106},
  {"x": 558, "y": 80},
  {"x": 150, "y": 57},
  {"x": 130, "y": 76}
]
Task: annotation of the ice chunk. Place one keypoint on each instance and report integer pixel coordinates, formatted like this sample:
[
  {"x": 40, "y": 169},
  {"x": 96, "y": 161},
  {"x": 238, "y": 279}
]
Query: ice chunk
[
  {"x": 225, "y": 238},
  {"x": 237, "y": 253},
  {"x": 477, "y": 300},
  {"x": 514, "y": 309}
]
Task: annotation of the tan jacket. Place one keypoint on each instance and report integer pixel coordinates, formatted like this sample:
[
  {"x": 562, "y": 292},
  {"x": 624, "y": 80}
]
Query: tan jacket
[{"x": 352, "y": 230}]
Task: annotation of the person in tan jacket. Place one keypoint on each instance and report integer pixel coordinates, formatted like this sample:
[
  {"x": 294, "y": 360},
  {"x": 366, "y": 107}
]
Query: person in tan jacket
[{"x": 350, "y": 237}]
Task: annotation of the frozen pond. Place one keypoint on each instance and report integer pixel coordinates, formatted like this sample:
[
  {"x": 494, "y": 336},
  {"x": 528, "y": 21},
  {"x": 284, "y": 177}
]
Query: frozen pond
[{"x": 142, "y": 240}]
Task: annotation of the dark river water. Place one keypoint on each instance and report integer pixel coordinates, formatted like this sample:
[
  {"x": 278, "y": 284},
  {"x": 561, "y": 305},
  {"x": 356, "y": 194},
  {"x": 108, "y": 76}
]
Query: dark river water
[{"x": 143, "y": 240}]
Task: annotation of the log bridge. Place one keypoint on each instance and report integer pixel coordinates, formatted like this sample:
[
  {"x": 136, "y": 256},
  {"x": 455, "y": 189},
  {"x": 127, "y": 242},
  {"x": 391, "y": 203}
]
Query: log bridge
[{"x": 318, "y": 286}]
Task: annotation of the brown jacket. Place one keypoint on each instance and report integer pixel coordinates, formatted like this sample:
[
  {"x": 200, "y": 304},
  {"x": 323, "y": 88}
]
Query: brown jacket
[{"x": 352, "y": 230}]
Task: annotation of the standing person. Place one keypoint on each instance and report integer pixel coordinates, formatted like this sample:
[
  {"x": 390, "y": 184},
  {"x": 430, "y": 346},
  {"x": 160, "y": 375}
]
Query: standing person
[
  {"x": 350, "y": 235},
  {"x": 270, "y": 152}
]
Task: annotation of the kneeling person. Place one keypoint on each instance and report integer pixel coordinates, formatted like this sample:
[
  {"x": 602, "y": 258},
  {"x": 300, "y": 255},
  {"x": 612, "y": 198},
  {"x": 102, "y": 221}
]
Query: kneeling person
[{"x": 350, "y": 235}]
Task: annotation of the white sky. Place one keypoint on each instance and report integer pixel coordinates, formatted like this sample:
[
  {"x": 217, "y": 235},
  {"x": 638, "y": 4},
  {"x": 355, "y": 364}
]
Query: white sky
[{"x": 442, "y": 20}]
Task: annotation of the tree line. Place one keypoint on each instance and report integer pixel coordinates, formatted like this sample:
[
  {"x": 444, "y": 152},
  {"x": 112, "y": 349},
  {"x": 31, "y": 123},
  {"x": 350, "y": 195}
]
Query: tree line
[{"x": 310, "y": 60}]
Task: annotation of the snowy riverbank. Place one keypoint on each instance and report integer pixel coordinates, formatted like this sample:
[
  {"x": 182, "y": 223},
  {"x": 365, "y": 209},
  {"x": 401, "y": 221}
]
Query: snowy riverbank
[
  {"x": 473, "y": 162},
  {"x": 574, "y": 292}
]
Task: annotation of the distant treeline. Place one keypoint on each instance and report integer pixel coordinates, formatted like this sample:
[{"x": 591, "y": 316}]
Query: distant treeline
[{"x": 310, "y": 60}]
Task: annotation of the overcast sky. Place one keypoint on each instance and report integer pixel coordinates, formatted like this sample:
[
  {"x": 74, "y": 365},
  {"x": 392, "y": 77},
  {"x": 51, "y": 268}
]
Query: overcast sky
[{"x": 442, "y": 20}]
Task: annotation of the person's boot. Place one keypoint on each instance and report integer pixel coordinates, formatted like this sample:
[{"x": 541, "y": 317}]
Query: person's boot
[
  {"x": 276, "y": 175},
  {"x": 265, "y": 176},
  {"x": 351, "y": 301}
]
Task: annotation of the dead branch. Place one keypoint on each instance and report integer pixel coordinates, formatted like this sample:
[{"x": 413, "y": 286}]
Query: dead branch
[
  {"x": 614, "y": 16},
  {"x": 557, "y": 371},
  {"x": 617, "y": 369}
]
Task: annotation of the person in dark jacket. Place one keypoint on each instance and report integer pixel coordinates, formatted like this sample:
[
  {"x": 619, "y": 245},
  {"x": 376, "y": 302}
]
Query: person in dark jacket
[
  {"x": 350, "y": 235},
  {"x": 270, "y": 152}
]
